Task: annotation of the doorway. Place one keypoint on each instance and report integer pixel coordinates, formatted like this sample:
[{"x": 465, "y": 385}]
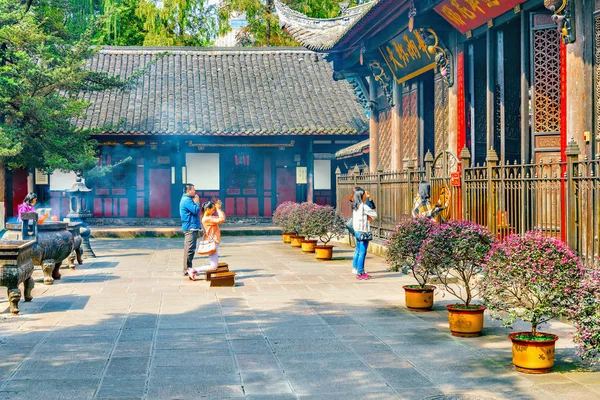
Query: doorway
[
  {"x": 285, "y": 184},
  {"x": 160, "y": 193}
]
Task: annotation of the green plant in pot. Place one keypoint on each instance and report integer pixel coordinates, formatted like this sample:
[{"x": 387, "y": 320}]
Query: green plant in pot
[
  {"x": 296, "y": 221},
  {"x": 307, "y": 227},
  {"x": 533, "y": 278},
  {"x": 325, "y": 223},
  {"x": 403, "y": 246},
  {"x": 456, "y": 252},
  {"x": 281, "y": 217}
]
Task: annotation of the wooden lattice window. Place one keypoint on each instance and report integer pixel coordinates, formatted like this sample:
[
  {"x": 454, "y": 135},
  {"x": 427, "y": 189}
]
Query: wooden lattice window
[
  {"x": 410, "y": 121},
  {"x": 441, "y": 114},
  {"x": 546, "y": 80},
  {"x": 597, "y": 71},
  {"x": 385, "y": 139}
]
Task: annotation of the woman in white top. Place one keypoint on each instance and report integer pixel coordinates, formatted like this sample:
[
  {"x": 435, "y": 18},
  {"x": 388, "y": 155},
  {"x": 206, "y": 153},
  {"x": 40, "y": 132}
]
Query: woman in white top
[{"x": 363, "y": 211}]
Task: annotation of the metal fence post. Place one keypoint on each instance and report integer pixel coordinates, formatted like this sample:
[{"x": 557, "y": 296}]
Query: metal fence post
[
  {"x": 379, "y": 198},
  {"x": 465, "y": 161},
  {"x": 572, "y": 153},
  {"x": 428, "y": 166},
  {"x": 338, "y": 205},
  {"x": 491, "y": 162}
]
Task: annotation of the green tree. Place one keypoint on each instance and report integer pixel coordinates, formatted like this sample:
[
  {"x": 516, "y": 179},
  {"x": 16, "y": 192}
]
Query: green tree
[
  {"x": 178, "y": 22},
  {"x": 263, "y": 25},
  {"x": 42, "y": 73}
]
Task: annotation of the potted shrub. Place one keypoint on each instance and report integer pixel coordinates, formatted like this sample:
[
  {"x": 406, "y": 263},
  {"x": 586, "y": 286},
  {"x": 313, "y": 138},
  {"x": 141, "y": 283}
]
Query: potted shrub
[
  {"x": 281, "y": 218},
  {"x": 328, "y": 225},
  {"x": 307, "y": 229},
  {"x": 534, "y": 278},
  {"x": 585, "y": 316},
  {"x": 403, "y": 246},
  {"x": 456, "y": 252},
  {"x": 296, "y": 220}
]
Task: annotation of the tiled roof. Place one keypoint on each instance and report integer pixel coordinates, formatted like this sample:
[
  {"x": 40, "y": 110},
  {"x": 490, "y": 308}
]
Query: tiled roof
[
  {"x": 353, "y": 150},
  {"x": 223, "y": 92},
  {"x": 320, "y": 34}
]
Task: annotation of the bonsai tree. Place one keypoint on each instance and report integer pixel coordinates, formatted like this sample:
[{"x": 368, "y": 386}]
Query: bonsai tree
[
  {"x": 404, "y": 244},
  {"x": 534, "y": 278},
  {"x": 282, "y": 216},
  {"x": 457, "y": 249},
  {"x": 324, "y": 223}
]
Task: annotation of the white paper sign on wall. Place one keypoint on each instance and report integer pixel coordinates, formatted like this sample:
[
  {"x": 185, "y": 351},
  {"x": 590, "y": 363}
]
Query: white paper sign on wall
[{"x": 301, "y": 175}]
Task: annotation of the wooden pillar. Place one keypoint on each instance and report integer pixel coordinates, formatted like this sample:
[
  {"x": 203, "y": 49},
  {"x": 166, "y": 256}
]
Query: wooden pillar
[
  {"x": 490, "y": 73},
  {"x": 373, "y": 127},
  {"x": 579, "y": 93},
  {"x": 525, "y": 84},
  {"x": 396, "y": 129}
]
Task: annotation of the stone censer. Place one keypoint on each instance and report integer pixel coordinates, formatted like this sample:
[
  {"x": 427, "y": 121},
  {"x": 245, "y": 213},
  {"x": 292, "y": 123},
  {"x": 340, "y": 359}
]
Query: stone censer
[
  {"x": 16, "y": 267},
  {"x": 53, "y": 243}
]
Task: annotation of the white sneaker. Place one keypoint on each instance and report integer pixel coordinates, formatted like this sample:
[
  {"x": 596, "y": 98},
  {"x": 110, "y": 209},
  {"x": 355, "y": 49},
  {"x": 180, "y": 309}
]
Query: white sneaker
[{"x": 354, "y": 271}]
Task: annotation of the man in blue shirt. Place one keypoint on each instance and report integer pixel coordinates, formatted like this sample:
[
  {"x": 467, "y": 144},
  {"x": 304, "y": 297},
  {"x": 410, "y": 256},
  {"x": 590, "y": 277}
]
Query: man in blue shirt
[{"x": 189, "y": 209}]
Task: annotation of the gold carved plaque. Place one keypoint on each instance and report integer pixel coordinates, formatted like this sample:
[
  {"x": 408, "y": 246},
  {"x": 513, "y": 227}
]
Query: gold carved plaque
[{"x": 545, "y": 142}]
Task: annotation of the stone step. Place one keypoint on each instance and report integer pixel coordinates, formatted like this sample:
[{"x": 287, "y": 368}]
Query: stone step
[{"x": 170, "y": 232}]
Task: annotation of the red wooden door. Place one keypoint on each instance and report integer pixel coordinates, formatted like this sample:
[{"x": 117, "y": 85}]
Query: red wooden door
[
  {"x": 160, "y": 193},
  {"x": 285, "y": 185},
  {"x": 19, "y": 189}
]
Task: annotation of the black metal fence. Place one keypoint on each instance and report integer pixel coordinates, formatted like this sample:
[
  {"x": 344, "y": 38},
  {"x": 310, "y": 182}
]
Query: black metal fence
[{"x": 558, "y": 197}]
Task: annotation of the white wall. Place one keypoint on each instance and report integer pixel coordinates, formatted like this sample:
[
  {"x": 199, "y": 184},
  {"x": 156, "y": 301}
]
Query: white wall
[
  {"x": 203, "y": 170},
  {"x": 322, "y": 174},
  {"x": 62, "y": 180}
]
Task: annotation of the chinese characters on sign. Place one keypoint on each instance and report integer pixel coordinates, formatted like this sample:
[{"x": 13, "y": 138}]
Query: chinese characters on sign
[
  {"x": 301, "y": 175},
  {"x": 466, "y": 15},
  {"x": 407, "y": 55}
]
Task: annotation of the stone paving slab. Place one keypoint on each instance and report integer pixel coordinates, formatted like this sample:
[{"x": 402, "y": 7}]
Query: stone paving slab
[{"x": 127, "y": 325}]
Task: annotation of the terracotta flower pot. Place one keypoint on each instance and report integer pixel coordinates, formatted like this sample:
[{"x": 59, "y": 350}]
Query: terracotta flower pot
[
  {"x": 308, "y": 246},
  {"x": 324, "y": 252},
  {"x": 296, "y": 241},
  {"x": 417, "y": 298},
  {"x": 533, "y": 356},
  {"x": 465, "y": 322},
  {"x": 287, "y": 236}
]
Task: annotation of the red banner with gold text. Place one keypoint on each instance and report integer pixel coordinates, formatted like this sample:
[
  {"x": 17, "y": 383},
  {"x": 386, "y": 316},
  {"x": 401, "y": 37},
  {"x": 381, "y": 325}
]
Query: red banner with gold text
[{"x": 465, "y": 15}]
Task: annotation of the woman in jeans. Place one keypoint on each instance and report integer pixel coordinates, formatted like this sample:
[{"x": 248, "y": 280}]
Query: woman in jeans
[
  {"x": 363, "y": 211},
  {"x": 211, "y": 223}
]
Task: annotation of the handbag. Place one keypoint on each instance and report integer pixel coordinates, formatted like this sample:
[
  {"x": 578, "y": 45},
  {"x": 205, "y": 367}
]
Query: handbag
[
  {"x": 207, "y": 247},
  {"x": 365, "y": 236}
]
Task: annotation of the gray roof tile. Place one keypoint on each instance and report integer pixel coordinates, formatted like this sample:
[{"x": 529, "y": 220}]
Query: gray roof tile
[{"x": 223, "y": 92}]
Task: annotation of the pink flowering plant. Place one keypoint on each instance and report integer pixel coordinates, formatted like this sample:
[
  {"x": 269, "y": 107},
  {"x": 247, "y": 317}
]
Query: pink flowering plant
[
  {"x": 457, "y": 249},
  {"x": 403, "y": 246},
  {"x": 585, "y": 316},
  {"x": 282, "y": 216},
  {"x": 324, "y": 223},
  {"x": 297, "y": 217},
  {"x": 307, "y": 215},
  {"x": 534, "y": 278}
]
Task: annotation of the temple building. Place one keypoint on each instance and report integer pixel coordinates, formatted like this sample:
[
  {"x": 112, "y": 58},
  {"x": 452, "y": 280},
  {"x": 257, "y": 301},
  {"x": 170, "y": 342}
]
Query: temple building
[
  {"x": 495, "y": 102},
  {"x": 253, "y": 127},
  {"x": 520, "y": 77}
]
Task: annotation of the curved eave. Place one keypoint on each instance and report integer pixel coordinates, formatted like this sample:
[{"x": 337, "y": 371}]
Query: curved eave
[
  {"x": 354, "y": 150},
  {"x": 320, "y": 34}
]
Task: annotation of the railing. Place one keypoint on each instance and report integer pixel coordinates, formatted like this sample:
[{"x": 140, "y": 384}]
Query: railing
[{"x": 559, "y": 198}]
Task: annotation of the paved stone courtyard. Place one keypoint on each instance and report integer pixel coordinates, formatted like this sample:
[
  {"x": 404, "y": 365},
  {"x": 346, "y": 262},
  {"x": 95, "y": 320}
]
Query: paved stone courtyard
[{"x": 127, "y": 325}]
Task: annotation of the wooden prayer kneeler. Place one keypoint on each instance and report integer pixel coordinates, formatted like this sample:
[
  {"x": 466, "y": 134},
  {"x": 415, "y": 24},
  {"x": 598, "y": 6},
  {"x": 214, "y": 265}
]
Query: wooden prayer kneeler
[
  {"x": 222, "y": 267},
  {"x": 223, "y": 279}
]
